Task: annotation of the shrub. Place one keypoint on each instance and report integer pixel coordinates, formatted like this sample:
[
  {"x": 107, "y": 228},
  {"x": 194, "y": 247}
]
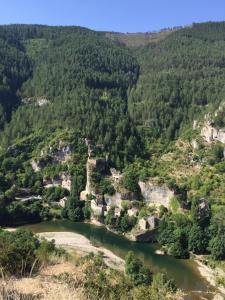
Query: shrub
[
  {"x": 135, "y": 271},
  {"x": 21, "y": 252}
]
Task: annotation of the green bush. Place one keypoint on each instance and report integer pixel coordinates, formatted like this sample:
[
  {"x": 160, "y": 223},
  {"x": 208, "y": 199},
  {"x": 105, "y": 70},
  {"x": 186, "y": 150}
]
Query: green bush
[
  {"x": 135, "y": 270},
  {"x": 22, "y": 253}
]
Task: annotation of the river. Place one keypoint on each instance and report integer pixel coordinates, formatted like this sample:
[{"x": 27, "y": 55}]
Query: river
[{"x": 184, "y": 272}]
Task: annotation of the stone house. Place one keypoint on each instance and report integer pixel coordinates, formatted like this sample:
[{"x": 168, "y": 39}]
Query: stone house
[
  {"x": 149, "y": 223},
  {"x": 97, "y": 208}
]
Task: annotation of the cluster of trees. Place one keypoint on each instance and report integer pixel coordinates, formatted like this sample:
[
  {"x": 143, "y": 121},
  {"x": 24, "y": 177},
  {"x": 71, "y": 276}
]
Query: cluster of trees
[
  {"x": 136, "y": 271},
  {"x": 17, "y": 213},
  {"x": 219, "y": 120},
  {"x": 137, "y": 282},
  {"x": 75, "y": 209},
  {"x": 200, "y": 234},
  {"x": 16, "y": 173},
  {"x": 54, "y": 194},
  {"x": 83, "y": 74},
  {"x": 22, "y": 253},
  {"x": 18, "y": 179},
  {"x": 102, "y": 185},
  {"x": 130, "y": 181},
  {"x": 15, "y": 68}
]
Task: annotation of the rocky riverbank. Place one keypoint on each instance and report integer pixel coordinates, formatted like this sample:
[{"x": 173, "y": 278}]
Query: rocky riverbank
[{"x": 211, "y": 276}]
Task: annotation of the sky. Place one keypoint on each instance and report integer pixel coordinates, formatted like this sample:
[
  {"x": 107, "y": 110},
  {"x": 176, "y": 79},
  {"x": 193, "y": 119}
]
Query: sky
[{"x": 112, "y": 15}]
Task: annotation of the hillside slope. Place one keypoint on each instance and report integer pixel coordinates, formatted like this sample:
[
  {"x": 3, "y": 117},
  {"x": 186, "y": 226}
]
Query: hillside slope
[
  {"x": 181, "y": 78},
  {"x": 82, "y": 78}
]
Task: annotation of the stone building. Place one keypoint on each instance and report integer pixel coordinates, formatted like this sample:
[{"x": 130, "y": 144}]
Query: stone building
[{"x": 149, "y": 223}]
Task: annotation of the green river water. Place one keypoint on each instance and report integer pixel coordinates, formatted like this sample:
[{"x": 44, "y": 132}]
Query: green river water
[{"x": 184, "y": 272}]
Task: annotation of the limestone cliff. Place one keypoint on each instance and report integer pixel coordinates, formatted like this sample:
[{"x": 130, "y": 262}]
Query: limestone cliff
[
  {"x": 209, "y": 131},
  {"x": 156, "y": 194},
  {"x": 61, "y": 153},
  {"x": 64, "y": 180},
  {"x": 151, "y": 192}
]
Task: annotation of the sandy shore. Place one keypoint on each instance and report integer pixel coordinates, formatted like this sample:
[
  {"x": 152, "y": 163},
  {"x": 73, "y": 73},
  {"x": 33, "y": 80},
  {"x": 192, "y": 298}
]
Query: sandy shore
[
  {"x": 83, "y": 246},
  {"x": 210, "y": 275}
]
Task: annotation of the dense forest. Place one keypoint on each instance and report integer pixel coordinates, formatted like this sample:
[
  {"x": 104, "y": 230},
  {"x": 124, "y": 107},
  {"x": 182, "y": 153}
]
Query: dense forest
[
  {"x": 104, "y": 90},
  {"x": 182, "y": 77},
  {"x": 85, "y": 77}
]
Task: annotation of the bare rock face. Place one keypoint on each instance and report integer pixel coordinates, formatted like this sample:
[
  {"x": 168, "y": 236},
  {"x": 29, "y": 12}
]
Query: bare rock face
[
  {"x": 194, "y": 144},
  {"x": 62, "y": 202},
  {"x": 42, "y": 101},
  {"x": 98, "y": 209},
  {"x": 211, "y": 134},
  {"x": 152, "y": 193},
  {"x": 116, "y": 176},
  {"x": 63, "y": 153},
  {"x": 59, "y": 153},
  {"x": 37, "y": 165},
  {"x": 64, "y": 180},
  {"x": 149, "y": 236},
  {"x": 38, "y": 101},
  {"x": 114, "y": 200},
  {"x": 195, "y": 125}
]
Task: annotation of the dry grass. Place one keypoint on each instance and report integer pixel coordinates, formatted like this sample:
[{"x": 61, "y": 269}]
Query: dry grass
[{"x": 44, "y": 286}]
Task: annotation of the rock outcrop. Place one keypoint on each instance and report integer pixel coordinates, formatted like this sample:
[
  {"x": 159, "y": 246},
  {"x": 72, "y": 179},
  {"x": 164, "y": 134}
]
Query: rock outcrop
[
  {"x": 209, "y": 131},
  {"x": 98, "y": 208},
  {"x": 38, "y": 101},
  {"x": 148, "y": 223},
  {"x": 148, "y": 236},
  {"x": 211, "y": 134},
  {"x": 59, "y": 153},
  {"x": 156, "y": 194},
  {"x": 64, "y": 180},
  {"x": 37, "y": 165},
  {"x": 194, "y": 144},
  {"x": 63, "y": 153}
]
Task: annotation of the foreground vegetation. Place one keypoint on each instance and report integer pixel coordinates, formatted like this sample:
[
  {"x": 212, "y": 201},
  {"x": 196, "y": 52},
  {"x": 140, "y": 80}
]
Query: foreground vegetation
[{"x": 89, "y": 277}]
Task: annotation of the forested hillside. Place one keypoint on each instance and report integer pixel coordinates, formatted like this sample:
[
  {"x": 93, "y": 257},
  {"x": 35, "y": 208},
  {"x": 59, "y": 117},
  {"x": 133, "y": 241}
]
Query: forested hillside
[
  {"x": 15, "y": 68},
  {"x": 181, "y": 78},
  {"x": 84, "y": 78}
]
